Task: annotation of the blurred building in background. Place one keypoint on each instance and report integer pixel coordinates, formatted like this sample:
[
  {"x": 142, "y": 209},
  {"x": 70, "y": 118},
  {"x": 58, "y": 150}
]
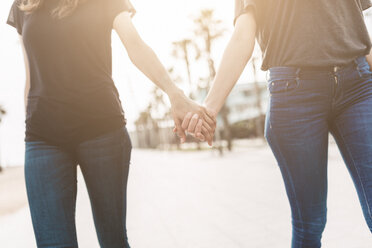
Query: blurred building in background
[{"x": 244, "y": 116}]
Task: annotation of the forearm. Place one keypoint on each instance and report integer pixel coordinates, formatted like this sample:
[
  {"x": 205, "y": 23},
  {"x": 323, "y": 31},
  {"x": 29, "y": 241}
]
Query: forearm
[
  {"x": 148, "y": 63},
  {"x": 235, "y": 58}
]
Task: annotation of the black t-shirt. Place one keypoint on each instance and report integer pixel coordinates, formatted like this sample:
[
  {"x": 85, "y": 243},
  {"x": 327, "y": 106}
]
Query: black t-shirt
[
  {"x": 309, "y": 33},
  {"x": 72, "y": 96}
]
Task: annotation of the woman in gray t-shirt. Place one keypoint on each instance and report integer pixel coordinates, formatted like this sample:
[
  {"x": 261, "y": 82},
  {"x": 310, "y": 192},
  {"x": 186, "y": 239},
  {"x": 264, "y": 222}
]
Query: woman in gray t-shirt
[{"x": 319, "y": 61}]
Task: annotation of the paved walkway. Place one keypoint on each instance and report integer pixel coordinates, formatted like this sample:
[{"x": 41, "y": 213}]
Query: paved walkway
[{"x": 199, "y": 200}]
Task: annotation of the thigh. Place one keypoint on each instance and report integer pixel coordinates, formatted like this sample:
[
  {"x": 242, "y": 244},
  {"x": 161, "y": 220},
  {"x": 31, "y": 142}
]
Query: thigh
[
  {"x": 352, "y": 129},
  {"x": 297, "y": 132},
  {"x": 50, "y": 174},
  {"x": 104, "y": 162}
]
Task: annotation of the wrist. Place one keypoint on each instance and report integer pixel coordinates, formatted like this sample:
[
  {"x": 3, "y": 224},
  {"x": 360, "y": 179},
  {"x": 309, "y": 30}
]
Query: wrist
[
  {"x": 212, "y": 108},
  {"x": 175, "y": 93}
]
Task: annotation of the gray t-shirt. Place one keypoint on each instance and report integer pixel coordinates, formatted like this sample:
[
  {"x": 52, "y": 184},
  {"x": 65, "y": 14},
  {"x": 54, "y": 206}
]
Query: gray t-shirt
[{"x": 309, "y": 33}]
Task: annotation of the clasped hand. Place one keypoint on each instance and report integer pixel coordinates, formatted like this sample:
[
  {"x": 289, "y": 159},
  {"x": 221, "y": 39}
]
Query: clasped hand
[{"x": 189, "y": 117}]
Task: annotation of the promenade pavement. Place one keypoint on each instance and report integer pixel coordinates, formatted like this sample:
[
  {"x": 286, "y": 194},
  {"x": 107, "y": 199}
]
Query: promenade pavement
[{"x": 202, "y": 200}]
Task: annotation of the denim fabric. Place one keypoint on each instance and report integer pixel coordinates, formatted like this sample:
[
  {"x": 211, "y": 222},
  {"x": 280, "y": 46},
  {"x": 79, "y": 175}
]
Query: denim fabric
[
  {"x": 305, "y": 106},
  {"x": 51, "y": 182}
]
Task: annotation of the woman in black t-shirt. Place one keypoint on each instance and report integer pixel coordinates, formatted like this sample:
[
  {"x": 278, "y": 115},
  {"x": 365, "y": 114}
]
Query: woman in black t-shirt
[{"x": 74, "y": 115}]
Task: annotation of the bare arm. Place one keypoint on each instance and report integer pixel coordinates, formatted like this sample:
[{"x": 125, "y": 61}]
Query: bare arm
[
  {"x": 27, "y": 67},
  {"x": 235, "y": 58},
  {"x": 144, "y": 58}
]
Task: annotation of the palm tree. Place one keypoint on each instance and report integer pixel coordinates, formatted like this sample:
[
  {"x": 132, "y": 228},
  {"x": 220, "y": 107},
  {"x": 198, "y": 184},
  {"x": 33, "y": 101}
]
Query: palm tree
[
  {"x": 208, "y": 29},
  {"x": 181, "y": 50}
]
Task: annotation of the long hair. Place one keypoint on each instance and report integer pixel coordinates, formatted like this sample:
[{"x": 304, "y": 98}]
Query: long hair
[{"x": 64, "y": 8}]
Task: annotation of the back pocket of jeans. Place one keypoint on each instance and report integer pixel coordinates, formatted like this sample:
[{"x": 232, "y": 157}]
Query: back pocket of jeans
[{"x": 365, "y": 71}]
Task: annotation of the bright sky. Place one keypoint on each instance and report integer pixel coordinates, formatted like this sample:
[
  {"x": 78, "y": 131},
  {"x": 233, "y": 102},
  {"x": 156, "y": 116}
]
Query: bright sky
[{"x": 159, "y": 22}]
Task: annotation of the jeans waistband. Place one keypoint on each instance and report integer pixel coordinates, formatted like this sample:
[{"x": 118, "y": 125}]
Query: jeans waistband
[{"x": 276, "y": 73}]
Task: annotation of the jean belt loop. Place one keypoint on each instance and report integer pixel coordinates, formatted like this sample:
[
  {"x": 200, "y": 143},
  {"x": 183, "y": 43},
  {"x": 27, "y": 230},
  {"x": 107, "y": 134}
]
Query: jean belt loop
[{"x": 357, "y": 66}]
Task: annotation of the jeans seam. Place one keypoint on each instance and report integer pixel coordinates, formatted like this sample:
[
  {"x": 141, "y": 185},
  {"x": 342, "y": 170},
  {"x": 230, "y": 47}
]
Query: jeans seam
[
  {"x": 291, "y": 183},
  {"x": 356, "y": 169}
]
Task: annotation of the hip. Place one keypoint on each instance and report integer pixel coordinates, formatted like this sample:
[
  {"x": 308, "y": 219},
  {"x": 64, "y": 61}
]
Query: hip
[
  {"x": 329, "y": 84},
  {"x": 69, "y": 135}
]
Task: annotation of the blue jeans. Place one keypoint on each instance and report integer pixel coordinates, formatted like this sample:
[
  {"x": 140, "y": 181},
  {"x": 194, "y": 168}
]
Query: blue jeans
[
  {"x": 305, "y": 106},
  {"x": 51, "y": 182}
]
